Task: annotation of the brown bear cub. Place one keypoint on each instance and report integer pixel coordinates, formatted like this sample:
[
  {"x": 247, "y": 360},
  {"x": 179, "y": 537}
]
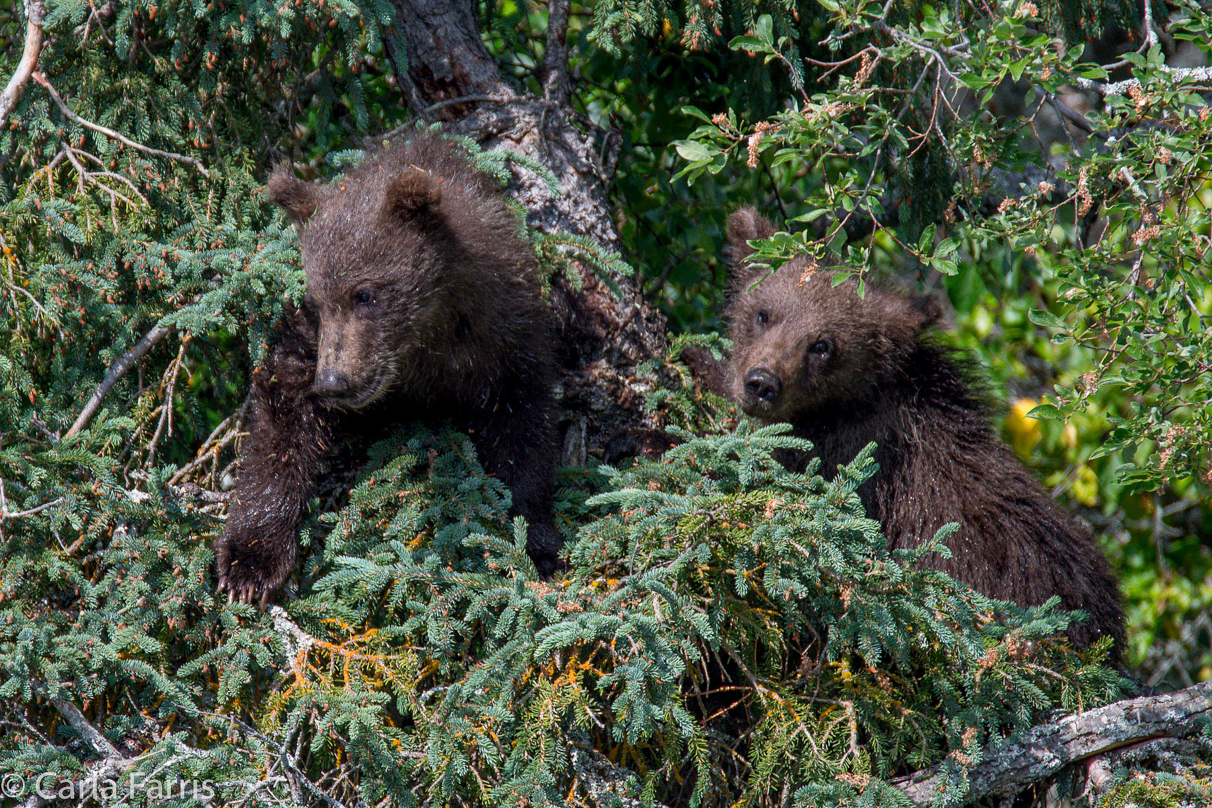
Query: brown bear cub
[
  {"x": 846, "y": 370},
  {"x": 422, "y": 301}
]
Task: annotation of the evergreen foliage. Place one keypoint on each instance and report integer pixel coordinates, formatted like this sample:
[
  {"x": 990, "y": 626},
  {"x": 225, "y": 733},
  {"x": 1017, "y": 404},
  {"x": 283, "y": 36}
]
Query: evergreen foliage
[
  {"x": 727, "y": 632},
  {"x": 426, "y": 663}
]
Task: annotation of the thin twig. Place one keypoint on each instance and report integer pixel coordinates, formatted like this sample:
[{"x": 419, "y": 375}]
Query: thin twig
[
  {"x": 191, "y": 161},
  {"x": 6, "y": 514},
  {"x": 169, "y": 386},
  {"x": 1069, "y": 113},
  {"x": 209, "y": 452},
  {"x": 117, "y": 370},
  {"x": 99, "y": 15},
  {"x": 92, "y": 175},
  {"x": 294, "y": 774},
  {"x": 35, "y": 13},
  {"x": 954, "y": 52}
]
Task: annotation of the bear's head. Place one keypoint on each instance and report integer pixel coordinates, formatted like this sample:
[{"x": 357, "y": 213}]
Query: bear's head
[
  {"x": 806, "y": 345},
  {"x": 376, "y": 247}
]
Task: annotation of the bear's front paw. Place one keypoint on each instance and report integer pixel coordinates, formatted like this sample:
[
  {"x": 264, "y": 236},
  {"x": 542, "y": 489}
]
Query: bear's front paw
[{"x": 252, "y": 568}]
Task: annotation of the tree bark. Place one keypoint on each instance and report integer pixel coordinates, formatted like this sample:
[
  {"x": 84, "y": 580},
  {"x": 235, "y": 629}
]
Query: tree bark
[
  {"x": 1039, "y": 753},
  {"x": 446, "y": 58},
  {"x": 35, "y": 14},
  {"x": 606, "y": 328}
]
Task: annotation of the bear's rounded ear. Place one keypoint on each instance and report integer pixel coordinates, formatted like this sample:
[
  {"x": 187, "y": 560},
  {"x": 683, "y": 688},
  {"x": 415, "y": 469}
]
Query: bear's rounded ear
[
  {"x": 744, "y": 226},
  {"x": 299, "y": 199},
  {"x": 411, "y": 193}
]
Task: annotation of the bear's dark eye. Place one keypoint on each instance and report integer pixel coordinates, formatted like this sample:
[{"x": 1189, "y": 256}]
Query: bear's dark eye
[
  {"x": 363, "y": 297},
  {"x": 763, "y": 317},
  {"x": 822, "y": 347}
]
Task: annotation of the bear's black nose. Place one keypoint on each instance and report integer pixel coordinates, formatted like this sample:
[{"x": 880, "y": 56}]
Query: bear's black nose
[
  {"x": 762, "y": 384},
  {"x": 331, "y": 382}
]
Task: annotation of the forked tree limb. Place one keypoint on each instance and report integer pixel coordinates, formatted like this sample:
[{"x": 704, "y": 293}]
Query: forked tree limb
[
  {"x": 117, "y": 370},
  {"x": 35, "y": 13},
  {"x": 1042, "y": 751},
  {"x": 118, "y": 136}
]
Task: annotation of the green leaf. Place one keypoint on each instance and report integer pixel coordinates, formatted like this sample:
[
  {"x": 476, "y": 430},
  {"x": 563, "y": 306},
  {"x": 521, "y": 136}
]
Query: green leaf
[
  {"x": 926, "y": 240},
  {"x": 695, "y": 112},
  {"x": 974, "y": 81},
  {"x": 1045, "y": 319},
  {"x": 750, "y": 43},
  {"x": 1046, "y": 412},
  {"x": 692, "y": 150}
]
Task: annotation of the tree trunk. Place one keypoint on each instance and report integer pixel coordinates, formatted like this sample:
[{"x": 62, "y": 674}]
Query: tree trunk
[{"x": 450, "y": 77}]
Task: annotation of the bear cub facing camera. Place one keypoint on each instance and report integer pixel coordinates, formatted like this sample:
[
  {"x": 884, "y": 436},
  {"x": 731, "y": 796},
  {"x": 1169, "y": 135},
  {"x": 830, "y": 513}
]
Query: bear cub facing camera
[
  {"x": 846, "y": 370},
  {"x": 423, "y": 302}
]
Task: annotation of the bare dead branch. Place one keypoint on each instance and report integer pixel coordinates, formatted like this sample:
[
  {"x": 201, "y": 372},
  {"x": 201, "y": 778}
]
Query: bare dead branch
[
  {"x": 35, "y": 13},
  {"x": 1012, "y": 765},
  {"x": 88, "y": 733},
  {"x": 5, "y": 514},
  {"x": 180, "y": 158},
  {"x": 1073, "y": 116},
  {"x": 117, "y": 370}
]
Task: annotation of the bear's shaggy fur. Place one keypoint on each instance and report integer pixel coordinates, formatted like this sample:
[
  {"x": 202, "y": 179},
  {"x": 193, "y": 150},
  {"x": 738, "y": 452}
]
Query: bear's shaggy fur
[
  {"x": 845, "y": 371},
  {"x": 422, "y": 302}
]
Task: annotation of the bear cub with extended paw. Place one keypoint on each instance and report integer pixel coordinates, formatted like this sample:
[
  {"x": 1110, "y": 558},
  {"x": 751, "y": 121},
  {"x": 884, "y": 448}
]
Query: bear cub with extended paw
[
  {"x": 846, "y": 370},
  {"x": 422, "y": 301}
]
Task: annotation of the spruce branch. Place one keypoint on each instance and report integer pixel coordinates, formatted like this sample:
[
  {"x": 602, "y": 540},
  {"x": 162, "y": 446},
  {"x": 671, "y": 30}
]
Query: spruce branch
[
  {"x": 85, "y": 176},
  {"x": 1010, "y": 766},
  {"x": 288, "y": 761},
  {"x": 99, "y": 16},
  {"x": 35, "y": 13},
  {"x": 6, "y": 514},
  {"x": 10, "y": 282},
  {"x": 180, "y": 158},
  {"x": 117, "y": 370}
]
